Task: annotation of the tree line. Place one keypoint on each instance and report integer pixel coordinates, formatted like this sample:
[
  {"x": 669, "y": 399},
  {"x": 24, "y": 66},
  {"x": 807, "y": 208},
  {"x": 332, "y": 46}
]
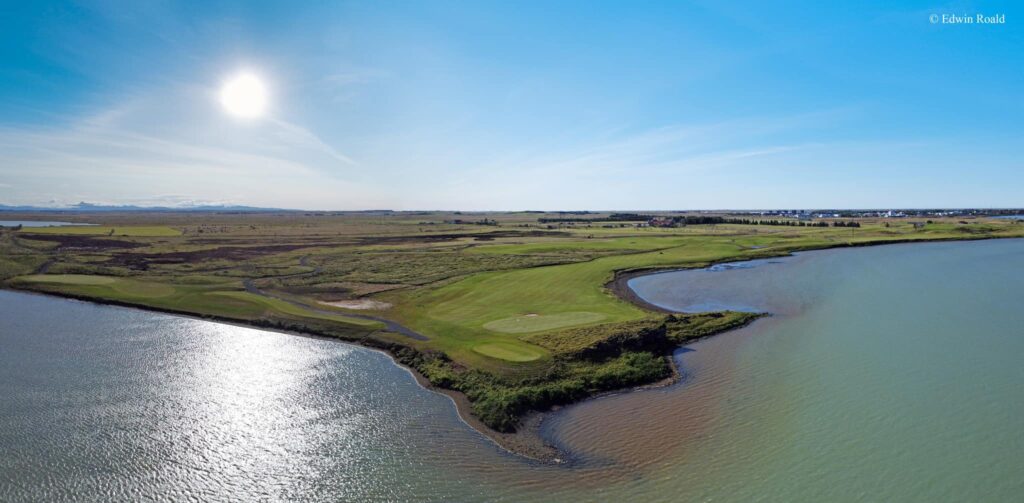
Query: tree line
[
  {"x": 708, "y": 220},
  {"x": 614, "y": 217},
  {"x": 683, "y": 220}
]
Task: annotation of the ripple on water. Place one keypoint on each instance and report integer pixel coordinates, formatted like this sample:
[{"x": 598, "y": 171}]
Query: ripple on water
[{"x": 896, "y": 365}]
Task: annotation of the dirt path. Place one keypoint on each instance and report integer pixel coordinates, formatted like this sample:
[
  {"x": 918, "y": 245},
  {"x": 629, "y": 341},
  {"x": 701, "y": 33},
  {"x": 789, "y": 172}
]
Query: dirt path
[{"x": 44, "y": 267}]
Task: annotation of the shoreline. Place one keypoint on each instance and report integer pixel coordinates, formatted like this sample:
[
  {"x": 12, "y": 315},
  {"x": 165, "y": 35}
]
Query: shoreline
[
  {"x": 527, "y": 442},
  {"x": 619, "y": 284}
]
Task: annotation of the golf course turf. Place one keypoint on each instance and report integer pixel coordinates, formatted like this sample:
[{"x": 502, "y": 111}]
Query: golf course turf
[{"x": 509, "y": 316}]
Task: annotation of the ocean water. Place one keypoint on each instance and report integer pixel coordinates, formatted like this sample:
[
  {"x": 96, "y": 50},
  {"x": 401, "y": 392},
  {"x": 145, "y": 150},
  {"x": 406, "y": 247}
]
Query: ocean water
[{"x": 886, "y": 374}]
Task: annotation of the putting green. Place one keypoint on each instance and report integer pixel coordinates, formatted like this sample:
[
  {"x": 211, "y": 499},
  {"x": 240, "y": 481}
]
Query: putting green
[
  {"x": 537, "y": 322},
  {"x": 508, "y": 351}
]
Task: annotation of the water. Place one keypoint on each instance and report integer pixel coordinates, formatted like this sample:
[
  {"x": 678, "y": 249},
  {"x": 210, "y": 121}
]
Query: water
[
  {"x": 103, "y": 403},
  {"x": 35, "y": 223},
  {"x": 888, "y": 374}
]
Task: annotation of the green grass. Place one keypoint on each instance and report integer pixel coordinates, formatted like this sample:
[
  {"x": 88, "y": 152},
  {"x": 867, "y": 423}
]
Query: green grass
[
  {"x": 11, "y": 266},
  {"x": 576, "y": 340},
  {"x": 280, "y": 306},
  {"x": 554, "y": 246},
  {"x": 458, "y": 314},
  {"x": 103, "y": 230},
  {"x": 508, "y": 352},
  {"x": 69, "y": 279},
  {"x": 535, "y": 322},
  {"x": 518, "y": 320},
  {"x": 587, "y": 361},
  {"x": 209, "y": 298}
]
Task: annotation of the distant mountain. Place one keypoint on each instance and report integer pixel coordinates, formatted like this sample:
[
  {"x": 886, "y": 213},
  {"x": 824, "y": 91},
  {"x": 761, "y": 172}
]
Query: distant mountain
[{"x": 95, "y": 208}]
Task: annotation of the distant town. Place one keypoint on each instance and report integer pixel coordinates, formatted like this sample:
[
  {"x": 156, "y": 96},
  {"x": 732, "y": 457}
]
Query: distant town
[
  {"x": 797, "y": 218},
  {"x": 885, "y": 213}
]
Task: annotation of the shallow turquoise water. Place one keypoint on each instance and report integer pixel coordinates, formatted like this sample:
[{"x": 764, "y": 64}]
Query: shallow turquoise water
[
  {"x": 888, "y": 374},
  {"x": 892, "y": 373}
]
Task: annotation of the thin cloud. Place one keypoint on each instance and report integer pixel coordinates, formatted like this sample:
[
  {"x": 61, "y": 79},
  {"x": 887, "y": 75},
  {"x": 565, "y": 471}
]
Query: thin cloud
[
  {"x": 302, "y": 137},
  {"x": 680, "y": 147},
  {"x": 126, "y": 153}
]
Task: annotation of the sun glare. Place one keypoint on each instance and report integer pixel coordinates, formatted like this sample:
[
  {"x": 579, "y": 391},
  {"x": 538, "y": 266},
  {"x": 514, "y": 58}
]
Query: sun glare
[{"x": 244, "y": 95}]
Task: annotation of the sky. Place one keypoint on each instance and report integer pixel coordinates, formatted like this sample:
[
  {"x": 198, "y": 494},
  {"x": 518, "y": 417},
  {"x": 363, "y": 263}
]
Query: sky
[{"x": 548, "y": 105}]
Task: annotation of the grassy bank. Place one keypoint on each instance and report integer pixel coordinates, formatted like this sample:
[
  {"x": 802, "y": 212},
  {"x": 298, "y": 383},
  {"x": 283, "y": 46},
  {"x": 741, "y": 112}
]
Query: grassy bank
[{"x": 584, "y": 362}]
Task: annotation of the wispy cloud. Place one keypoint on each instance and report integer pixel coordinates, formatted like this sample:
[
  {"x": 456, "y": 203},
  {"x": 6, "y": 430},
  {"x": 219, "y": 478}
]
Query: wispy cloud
[
  {"x": 174, "y": 141},
  {"x": 299, "y": 137},
  {"x": 676, "y": 148}
]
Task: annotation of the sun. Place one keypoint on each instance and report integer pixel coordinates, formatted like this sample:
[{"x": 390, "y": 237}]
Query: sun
[{"x": 244, "y": 95}]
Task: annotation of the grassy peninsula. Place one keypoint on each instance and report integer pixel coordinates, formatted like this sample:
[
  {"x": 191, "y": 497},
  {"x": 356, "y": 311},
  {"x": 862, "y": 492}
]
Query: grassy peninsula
[{"x": 512, "y": 312}]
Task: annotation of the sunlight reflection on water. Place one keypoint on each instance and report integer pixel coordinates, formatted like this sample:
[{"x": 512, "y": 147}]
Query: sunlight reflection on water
[{"x": 876, "y": 368}]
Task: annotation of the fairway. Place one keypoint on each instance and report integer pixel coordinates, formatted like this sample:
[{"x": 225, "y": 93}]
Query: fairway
[
  {"x": 508, "y": 352},
  {"x": 281, "y": 306},
  {"x": 126, "y": 287},
  {"x": 117, "y": 289},
  {"x": 536, "y": 322},
  {"x": 200, "y": 298},
  {"x": 70, "y": 279},
  {"x": 514, "y": 312}
]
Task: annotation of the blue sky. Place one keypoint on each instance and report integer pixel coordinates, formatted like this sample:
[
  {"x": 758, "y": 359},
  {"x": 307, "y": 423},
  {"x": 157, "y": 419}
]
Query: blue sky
[{"x": 514, "y": 105}]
